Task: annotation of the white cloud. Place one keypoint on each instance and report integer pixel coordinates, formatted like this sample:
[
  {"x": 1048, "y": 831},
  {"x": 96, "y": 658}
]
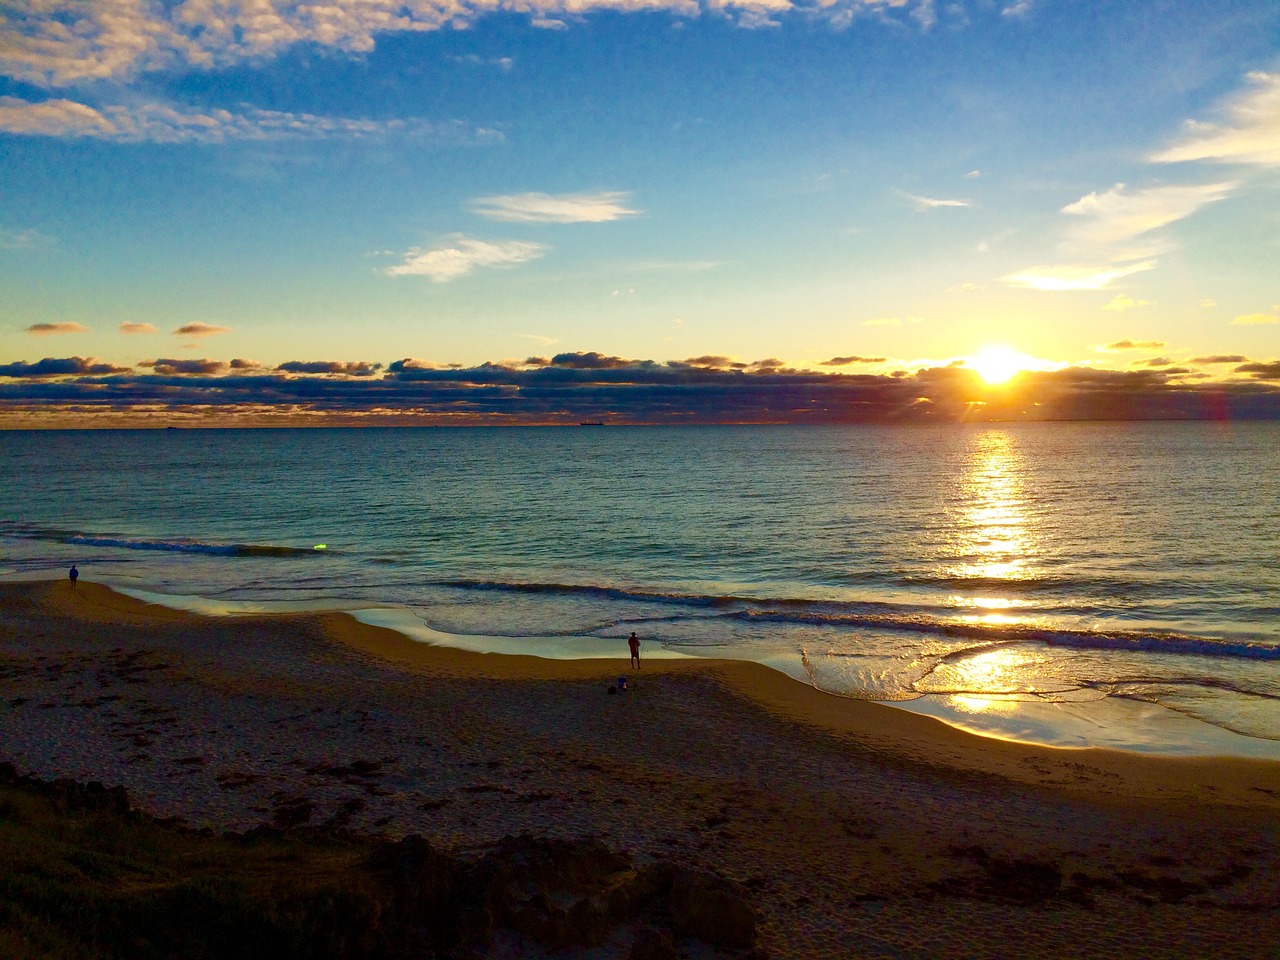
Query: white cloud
[
  {"x": 463, "y": 255},
  {"x": 1120, "y": 215},
  {"x": 1249, "y": 132},
  {"x": 538, "y": 338},
  {"x": 1072, "y": 276},
  {"x": 1122, "y": 302},
  {"x": 1253, "y": 319},
  {"x": 163, "y": 123},
  {"x": 598, "y": 207},
  {"x": 61, "y": 43},
  {"x": 925, "y": 204}
]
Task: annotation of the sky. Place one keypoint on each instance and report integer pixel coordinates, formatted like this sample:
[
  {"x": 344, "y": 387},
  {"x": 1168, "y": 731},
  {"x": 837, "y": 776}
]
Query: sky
[{"x": 266, "y": 212}]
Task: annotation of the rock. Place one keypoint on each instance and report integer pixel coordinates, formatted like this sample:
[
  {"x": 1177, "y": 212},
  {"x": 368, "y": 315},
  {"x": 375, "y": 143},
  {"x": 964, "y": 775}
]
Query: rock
[
  {"x": 652, "y": 944},
  {"x": 713, "y": 909}
]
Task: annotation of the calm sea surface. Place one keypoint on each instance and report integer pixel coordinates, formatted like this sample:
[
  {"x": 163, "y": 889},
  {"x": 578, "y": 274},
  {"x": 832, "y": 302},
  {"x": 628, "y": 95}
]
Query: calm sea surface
[{"x": 1075, "y": 584}]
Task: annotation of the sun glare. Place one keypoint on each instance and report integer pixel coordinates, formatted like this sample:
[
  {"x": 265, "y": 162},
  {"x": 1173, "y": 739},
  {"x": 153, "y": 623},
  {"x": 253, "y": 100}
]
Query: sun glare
[{"x": 998, "y": 364}]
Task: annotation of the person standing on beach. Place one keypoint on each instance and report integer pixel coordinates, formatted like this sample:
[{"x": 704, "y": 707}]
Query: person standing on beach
[
  {"x": 634, "y": 643},
  {"x": 73, "y": 575}
]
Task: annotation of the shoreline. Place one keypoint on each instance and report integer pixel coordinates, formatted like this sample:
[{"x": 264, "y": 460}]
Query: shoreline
[
  {"x": 1145, "y": 730},
  {"x": 849, "y": 821},
  {"x": 892, "y": 729}
]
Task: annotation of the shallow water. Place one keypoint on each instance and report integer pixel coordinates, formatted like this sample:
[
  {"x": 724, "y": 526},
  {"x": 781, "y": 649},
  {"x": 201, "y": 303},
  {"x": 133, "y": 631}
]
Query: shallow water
[{"x": 1076, "y": 584}]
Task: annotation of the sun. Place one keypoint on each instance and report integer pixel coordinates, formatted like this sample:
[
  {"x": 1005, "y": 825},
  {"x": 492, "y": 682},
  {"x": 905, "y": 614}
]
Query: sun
[{"x": 997, "y": 364}]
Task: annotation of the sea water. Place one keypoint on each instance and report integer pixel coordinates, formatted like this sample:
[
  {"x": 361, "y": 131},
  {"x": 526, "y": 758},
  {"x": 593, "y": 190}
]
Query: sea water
[{"x": 1076, "y": 584}]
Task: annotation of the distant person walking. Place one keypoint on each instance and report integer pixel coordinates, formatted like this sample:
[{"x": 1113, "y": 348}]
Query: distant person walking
[
  {"x": 73, "y": 575},
  {"x": 634, "y": 643}
]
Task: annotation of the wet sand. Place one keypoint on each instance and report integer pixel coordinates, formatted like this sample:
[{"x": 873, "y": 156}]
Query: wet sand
[{"x": 861, "y": 830}]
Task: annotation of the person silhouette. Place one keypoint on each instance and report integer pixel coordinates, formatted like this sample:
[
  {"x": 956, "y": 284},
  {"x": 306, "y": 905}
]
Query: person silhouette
[
  {"x": 73, "y": 575},
  {"x": 634, "y": 643}
]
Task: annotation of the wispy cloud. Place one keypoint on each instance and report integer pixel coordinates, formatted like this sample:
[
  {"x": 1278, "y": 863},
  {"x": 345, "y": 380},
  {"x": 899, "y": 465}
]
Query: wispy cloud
[
  {"x": 1122, "y": 302},
  {"x": 1073, "y": 276},
  {"x": 462, "y": 255},
  {"x": 1120, "y": 215},
  {"x": 538, "y": 338},
  {"x": 137, "y": 328},
  {"x": 598, "y": 207},
  {"x": 50, "y": 329},
  {"x": 925, "y": 204},
  {"x": 23, "y": 239},
  {"x": 119, "y": 39},
  {"x": 1134, "y": 345},
  {"x": 199, "y": 330},
  {"x": 1249, "y": 132},
  {"x": 166, "y": 123},
  {"x": 1253, "y": 319}
]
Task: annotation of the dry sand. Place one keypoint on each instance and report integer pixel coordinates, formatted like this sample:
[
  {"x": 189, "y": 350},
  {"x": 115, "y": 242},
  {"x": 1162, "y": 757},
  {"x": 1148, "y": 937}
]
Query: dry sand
[{"x": 862, "y": 830}]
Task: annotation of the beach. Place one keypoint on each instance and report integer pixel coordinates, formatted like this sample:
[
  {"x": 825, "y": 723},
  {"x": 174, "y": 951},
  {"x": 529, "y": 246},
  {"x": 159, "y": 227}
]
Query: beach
[{"x": 860, "y": 829}]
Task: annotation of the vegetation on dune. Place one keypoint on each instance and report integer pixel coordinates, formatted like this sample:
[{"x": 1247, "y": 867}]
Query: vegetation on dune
[{"x": 86, "y": 877}]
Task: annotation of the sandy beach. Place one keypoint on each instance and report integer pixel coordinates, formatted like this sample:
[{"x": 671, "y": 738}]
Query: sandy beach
[{"x": 861, "y": 830}]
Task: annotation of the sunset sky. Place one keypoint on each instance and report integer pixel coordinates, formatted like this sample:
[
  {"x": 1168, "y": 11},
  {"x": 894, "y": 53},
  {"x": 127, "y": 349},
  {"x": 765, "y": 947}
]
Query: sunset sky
[{"x": 719, "y": 211}]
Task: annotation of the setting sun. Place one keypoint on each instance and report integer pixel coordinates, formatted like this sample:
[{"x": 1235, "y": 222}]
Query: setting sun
[{"x": 998, "y": 364}]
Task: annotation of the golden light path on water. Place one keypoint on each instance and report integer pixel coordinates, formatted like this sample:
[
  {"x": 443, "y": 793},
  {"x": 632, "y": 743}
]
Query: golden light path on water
[{"x": 994, "y": 540}]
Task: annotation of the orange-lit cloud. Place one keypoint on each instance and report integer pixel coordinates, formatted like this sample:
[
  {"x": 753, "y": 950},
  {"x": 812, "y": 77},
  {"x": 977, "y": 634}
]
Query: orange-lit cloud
[
  {"x": 135, "y": 122},
  {"x": 118, "y": 39},
  {"x": 199, "y": 330},
  {"x": 137, "y": 328},
  {"x": 51, "y": 329}
]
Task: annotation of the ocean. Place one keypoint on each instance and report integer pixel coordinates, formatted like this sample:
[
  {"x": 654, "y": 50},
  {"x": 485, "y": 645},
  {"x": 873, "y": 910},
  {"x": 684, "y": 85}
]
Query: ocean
[{"x": 1072, "y": 584}]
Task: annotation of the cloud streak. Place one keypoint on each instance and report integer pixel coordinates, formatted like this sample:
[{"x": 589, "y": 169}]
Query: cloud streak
[
  {"x": 1068, "y": 277},
  {"x": 1120, "y": 214},
  {"x": 925, "y": 204},
  {"x": 600, "y": 207},
  {"x": 463, "y": 255},
  {"x": 165, "y": 123}
]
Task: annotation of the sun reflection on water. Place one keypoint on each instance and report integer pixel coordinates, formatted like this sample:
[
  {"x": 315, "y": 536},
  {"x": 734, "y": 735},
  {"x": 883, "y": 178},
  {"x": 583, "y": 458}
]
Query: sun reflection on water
[{"x": 993, "y": 537}]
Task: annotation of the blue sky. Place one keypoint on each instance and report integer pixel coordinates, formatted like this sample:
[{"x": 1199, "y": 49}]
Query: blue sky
[{"x": 1089, "y": 186}]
